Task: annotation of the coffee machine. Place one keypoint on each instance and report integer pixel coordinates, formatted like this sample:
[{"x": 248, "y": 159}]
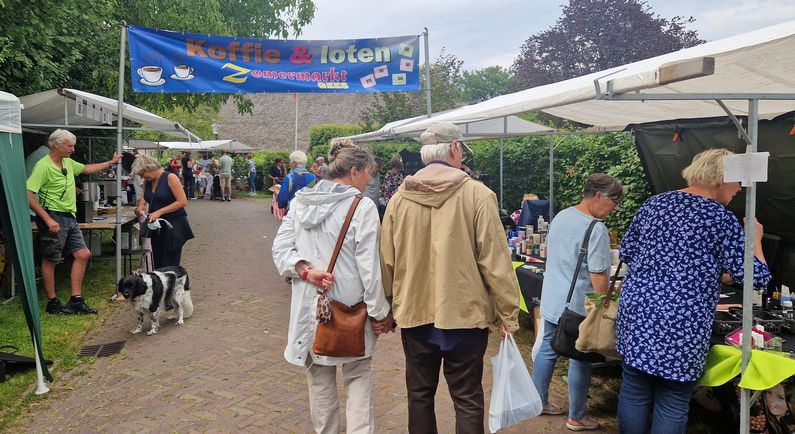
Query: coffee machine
[{"x": 87, "y": 203}]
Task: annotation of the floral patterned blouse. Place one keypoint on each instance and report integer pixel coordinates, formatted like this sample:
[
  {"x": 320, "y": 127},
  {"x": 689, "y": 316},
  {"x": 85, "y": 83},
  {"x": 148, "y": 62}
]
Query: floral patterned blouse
[
  {"x": 676, "y": 248},
  {"x": 391, "y": 183}
]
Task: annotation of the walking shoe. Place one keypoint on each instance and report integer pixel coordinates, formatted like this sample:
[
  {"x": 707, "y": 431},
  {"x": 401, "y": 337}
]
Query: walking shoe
[
  {"x": 584, "y": 424},
  {"x": 76, "y": 305},
  {"x": 54, "y": 306},
  {"x": 552, "y": 409}
]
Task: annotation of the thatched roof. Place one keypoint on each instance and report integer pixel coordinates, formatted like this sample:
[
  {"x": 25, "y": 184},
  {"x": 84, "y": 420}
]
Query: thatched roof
[{"x": 272, "y": 123}]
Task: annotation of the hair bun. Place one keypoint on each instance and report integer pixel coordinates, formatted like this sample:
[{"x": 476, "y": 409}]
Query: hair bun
[{"x": 337, "y": 146}]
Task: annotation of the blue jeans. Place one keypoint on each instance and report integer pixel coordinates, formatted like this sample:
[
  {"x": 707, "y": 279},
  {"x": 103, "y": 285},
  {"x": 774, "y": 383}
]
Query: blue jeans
[
  {"x": 641, "y": 393},
  {"x": 579, "y": 377},
  {"x": 190, "y": 184},
  {"x": 252, "y": 181}
]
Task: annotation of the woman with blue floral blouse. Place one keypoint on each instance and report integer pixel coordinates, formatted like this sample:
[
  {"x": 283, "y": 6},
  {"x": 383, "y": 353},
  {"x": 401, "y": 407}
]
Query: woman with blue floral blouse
[{"x": 676, "y": 248}]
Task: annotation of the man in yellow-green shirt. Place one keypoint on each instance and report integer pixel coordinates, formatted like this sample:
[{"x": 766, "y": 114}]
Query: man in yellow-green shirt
[{"x": 53, "y": 179}]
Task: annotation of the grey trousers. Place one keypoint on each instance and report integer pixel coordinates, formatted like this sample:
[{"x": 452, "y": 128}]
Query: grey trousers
[{"x": 324, "y": 405}]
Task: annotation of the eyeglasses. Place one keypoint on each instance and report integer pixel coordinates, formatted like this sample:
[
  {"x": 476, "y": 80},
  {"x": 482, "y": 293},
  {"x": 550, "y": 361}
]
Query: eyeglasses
[
  {"x": 66, "y": 181},
  {"x": 616, "y": 203},
  {"x": 465, "y": 150}
]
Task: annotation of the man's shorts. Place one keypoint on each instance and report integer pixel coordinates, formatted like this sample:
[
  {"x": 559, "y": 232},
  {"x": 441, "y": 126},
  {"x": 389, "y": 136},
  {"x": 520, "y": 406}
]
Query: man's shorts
[
  {"x": 68, "y": 240},
  {"x": 226, "y": 181}
]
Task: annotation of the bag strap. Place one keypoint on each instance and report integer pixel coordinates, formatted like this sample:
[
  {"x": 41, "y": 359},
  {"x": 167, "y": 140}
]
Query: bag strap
[
  {"x": 583, "y": 251},
  {"x": 612, "y": 288},
  {"x": 343, "y": 231}
]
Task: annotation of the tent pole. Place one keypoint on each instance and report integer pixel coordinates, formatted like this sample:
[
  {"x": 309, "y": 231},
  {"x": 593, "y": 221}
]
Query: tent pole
[
  {"x": 501, "y": 173},
  {"x": 551, "y": 176},
  {"x": 502, "y": 153},
  {"x": 427, "y": 73},
  {"x": 748, "y": 265},
  {"x": 41, "y": 386},
  {"x": 119, "y": 140},
  {"x": 295, "y": 98}
]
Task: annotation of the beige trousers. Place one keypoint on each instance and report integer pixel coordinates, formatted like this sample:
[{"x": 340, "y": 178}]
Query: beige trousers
[{"x": 324, "y": 404}]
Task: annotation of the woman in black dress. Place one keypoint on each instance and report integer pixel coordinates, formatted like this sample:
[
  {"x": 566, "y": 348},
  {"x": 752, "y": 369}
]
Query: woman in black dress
[{"x": 166, "y": 201}]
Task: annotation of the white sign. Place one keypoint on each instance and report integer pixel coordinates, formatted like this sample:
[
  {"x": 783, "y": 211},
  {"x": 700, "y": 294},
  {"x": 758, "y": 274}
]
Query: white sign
[{"x": 746, "y": 168}]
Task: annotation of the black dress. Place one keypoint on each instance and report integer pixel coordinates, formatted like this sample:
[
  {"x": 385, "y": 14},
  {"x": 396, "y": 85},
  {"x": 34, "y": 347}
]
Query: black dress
[{"x": 167, "y": 243}]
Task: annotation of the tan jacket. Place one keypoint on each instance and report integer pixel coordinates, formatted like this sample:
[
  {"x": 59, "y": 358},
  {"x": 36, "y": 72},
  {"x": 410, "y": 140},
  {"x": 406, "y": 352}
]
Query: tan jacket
[{"x": 444, "y": 257}]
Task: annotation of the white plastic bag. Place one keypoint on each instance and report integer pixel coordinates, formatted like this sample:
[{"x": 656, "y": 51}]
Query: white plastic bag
[{"x": 514, "y": 398}]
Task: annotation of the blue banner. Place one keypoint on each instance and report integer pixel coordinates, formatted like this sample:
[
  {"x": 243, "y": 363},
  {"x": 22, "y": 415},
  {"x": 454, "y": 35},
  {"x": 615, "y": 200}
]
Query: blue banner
[{"x": 166, "y": 61}]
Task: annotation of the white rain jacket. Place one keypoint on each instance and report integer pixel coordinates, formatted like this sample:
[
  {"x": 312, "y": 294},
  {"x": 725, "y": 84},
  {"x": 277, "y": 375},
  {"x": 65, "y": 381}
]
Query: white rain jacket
[{"x": 309, "y": 232}]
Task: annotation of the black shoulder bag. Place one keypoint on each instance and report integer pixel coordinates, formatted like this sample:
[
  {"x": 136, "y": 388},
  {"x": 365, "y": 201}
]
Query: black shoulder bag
[{"x": 565, "y": 337}]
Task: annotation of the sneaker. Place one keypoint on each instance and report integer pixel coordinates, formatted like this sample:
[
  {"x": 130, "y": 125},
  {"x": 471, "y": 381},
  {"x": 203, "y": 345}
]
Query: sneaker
[
  {"x": 54, "y": 306},
  {"x": 584, "y": 424},
  {"x": 78, "y": 306},
  {"x": 552, "y": 409}
]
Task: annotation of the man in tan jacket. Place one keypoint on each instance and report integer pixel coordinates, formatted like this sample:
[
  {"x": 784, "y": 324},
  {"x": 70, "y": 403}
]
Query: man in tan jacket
[{"x": 446, "y": 266}]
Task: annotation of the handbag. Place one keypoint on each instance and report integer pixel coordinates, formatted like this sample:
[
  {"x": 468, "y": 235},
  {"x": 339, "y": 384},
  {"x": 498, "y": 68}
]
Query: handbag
[
  {"x": 341, "y": 335},
  {"x": 598, "y": 330},
  {"x": 565, "y": 337}
]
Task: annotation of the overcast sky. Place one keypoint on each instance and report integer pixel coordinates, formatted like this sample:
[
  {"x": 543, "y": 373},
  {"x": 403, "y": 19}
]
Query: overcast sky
[{"x": 491, "y": 32}]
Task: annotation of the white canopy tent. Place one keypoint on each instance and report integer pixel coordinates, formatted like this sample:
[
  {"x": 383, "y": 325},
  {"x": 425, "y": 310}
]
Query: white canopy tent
[
  {"x": 57, "y": 108},
  {"x": 481, "y": 129},
  {"x": 507, "y": 126},
  {"x": 761, "y": 61}
]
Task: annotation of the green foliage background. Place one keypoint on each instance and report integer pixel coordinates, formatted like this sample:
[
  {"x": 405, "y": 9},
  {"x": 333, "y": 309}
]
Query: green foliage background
[{"x": 526, "y": 166}]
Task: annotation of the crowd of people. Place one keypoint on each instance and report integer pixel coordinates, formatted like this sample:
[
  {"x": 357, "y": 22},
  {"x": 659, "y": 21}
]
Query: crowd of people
[{"x": 404, "y": 258}]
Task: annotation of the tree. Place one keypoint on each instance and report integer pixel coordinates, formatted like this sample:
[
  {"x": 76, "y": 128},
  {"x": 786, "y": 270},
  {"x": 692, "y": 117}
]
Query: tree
[
  {"x": 71, "y": 43},
  {"x": 593, "y": 35},
  {"x": 486, "y": 83},
  {"x": 445, "y": 94}
]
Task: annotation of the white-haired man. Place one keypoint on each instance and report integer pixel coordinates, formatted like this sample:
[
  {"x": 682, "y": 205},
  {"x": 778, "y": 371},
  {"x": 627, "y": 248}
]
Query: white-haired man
[
  {"x": 53, "y": 178},
  {"x": 445, "y": 265},
  {"x": 297, "y": 179}
]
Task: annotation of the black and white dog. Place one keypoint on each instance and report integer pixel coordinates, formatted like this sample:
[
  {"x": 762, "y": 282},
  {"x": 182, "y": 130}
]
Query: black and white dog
[{"x": 157, "y": 292}]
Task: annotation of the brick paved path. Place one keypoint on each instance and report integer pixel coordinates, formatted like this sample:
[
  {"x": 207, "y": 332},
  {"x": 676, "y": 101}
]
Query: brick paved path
[{"x": 223, "y": 371}]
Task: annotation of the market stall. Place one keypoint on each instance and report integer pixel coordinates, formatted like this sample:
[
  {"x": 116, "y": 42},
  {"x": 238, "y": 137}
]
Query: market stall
[
  {"x": 746, "y": 78},
  {"x": 80, "y": 111}
]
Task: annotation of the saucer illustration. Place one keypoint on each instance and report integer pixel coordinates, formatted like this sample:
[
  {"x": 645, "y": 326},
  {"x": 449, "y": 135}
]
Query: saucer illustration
[
  {"x": 176, "y": 77},
  {"x": 152, "y": 83}
]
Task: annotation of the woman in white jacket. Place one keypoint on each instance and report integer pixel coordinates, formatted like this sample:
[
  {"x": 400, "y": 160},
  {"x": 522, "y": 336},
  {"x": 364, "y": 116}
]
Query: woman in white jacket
[{"x": 302, "y": 249}]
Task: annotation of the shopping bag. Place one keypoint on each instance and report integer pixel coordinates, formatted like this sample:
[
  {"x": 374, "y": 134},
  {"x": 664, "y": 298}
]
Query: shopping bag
[
  {"x": 514, "y": 398},
  {"x": 598, "y": 329},
  {"x": 597, "y": 332}
]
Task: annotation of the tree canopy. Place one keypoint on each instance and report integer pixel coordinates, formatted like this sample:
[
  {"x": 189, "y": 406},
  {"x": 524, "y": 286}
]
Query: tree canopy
[
  {"x": 593, "y": 35},
  {"x": 486, "y": 83},
  {"x": 70, "y": 43}
]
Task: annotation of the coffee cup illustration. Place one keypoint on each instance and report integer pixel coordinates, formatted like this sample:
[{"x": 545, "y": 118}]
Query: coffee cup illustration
[
  {"x": 151, "y": 74},
  {"x": 183, "y": 71}
]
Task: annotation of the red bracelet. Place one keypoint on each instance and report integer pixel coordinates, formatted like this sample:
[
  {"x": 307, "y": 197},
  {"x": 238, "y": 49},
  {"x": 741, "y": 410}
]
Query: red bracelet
[{"x": 305, "y": 273}]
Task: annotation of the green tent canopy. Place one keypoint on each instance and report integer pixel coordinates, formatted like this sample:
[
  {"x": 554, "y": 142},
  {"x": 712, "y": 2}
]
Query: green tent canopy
[{"x": 15, "y": 221}]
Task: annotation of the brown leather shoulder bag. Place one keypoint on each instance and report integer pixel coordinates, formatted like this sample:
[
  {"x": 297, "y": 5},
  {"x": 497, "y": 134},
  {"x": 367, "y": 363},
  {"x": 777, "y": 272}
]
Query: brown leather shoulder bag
[{"x": 343, "y": 334}]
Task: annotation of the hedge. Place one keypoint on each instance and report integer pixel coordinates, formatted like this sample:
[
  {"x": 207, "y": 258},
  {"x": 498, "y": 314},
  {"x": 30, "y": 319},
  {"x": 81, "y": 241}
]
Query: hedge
[{"x": 320, "y": 135}]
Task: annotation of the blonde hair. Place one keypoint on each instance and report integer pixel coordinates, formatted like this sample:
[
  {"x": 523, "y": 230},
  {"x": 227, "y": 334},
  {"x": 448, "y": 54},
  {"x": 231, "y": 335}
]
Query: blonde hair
[
  {"x": 344, "y": 155},
  {"x": 706, "y": 168},
  {"x": 61, "y": 136},
  {"x": 144, "y": 163}
]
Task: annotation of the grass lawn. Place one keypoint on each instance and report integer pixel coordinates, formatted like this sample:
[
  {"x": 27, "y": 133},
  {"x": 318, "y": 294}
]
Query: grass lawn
[{"x": 62, "y": 335}]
